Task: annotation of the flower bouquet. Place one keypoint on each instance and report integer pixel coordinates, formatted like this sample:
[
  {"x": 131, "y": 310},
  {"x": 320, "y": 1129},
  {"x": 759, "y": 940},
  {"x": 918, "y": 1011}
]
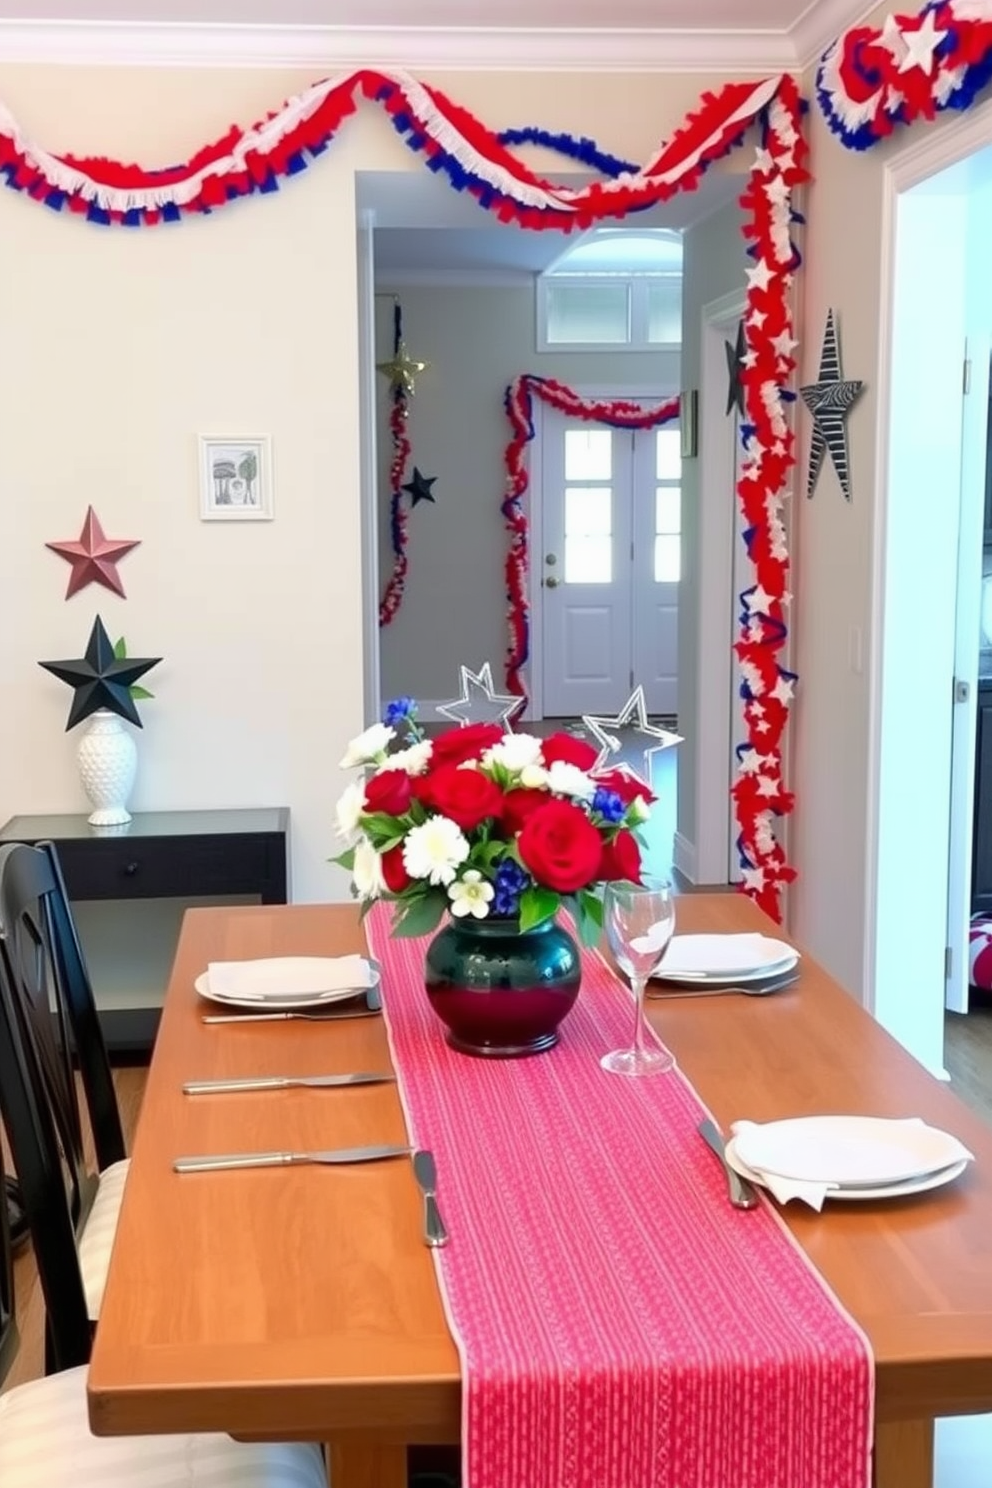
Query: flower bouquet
[{"x": 484, "y": 823}]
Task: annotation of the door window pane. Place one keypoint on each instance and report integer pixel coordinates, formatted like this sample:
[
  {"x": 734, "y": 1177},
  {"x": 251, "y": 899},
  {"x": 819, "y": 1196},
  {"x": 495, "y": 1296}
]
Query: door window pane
[
  {"x": 668, "y": 509},
  {"x": 588, "y": 313},
  {"x": 667, "y": 558},
  {"x": 588, "y": 535},
  {"x": 588, "y": 560},
  {"x": 665, "y": 311},
  {"x": 668, "y": 454},
  {"x": 588, "y": 454},
  {"x": 588, "y": 511}
]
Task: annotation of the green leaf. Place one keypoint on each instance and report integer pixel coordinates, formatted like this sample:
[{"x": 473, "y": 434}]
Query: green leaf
[
  {"x": 419, "y": 916},
  {"x": 536, "y": 906},
  {"x": 120, "y": 650},
  {"x": 345, "y": 859},
  {"x": 140, "y": 693},
  {"x": 590, "y": 916}
]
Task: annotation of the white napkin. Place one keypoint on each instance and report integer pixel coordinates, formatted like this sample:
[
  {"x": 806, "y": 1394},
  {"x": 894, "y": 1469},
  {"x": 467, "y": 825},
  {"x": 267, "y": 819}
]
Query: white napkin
[
  {"x": 784, "y": 1189},
  {"x": 714, "y": 954},
  {"x": 288, "y": 976}
]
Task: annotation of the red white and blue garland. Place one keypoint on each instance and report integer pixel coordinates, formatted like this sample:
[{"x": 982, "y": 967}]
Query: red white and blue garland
[
  {"x": 399, "y": 412},
  {"x": 875, "y": 78},
  {"x": 475, "y": 159}
]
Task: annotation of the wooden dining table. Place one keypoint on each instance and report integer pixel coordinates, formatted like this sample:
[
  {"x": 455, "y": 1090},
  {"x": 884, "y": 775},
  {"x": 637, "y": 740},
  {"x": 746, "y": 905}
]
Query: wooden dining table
[{"x": 301, "y": 1302}]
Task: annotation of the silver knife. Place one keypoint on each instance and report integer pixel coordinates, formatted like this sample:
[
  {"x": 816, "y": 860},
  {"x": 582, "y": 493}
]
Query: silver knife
[
  {"x": 742, "y": 1193},
  {"x": 287, "y": 1159},
  {"x": 425, "y": 1170},
  {"x": 286, "y": 1082}
]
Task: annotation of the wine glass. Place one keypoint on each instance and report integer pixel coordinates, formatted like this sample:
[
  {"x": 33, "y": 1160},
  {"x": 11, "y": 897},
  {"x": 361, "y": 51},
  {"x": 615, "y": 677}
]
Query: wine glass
[{"x": 640, "y": 920}]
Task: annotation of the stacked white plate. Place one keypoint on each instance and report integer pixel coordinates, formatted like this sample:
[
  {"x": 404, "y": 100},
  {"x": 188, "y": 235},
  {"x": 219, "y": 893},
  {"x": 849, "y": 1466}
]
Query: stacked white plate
[
  {"x": 853, "y": 1158},
  {"x": 287, "y": 981},
  {"x": 725, "y": 958}
]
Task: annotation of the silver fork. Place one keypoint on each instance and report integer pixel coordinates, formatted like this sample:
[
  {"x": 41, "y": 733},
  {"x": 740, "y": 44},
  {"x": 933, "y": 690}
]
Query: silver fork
[{"x": 752, "y": 989}]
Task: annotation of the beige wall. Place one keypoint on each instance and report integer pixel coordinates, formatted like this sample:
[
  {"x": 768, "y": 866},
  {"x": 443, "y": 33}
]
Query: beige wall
[
  {"x": 118, "y": 347},
  {"x": 477, "y": 340}
]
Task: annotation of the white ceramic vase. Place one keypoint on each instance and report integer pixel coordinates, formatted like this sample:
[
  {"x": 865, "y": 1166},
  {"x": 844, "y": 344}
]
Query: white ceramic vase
[{"x": 108, "y": 759}]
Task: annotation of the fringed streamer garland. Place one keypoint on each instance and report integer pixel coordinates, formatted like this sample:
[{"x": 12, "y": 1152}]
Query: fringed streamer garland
[
  {"x": 914, "y": 66},
  {"x": 451, "y": 140},
  {"x": 398, "y": 414},
  {"x": 477, "y": 160},
  {"x": 519, "y": 403}
]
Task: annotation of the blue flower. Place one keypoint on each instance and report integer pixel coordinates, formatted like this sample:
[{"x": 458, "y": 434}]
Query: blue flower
[
  {"x": 399, "y": 710},
  {"x": 608, "y": 804},
  {"x": 509, "y": 882}
]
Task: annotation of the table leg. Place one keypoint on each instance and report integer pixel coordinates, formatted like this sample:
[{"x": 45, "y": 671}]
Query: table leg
[
  {"x": 904, "y": 1454},
  {"x": 366, "y": 1464}
]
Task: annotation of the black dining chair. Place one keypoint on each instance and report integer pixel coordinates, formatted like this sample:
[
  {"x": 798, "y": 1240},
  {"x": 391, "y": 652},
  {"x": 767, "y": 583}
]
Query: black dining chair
[
  {"x": 44, "y": 981},
  {"x": 45, "y": 1437}
]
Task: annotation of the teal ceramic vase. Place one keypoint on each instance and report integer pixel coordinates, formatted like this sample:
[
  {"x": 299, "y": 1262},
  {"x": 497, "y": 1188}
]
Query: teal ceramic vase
[{"x": 502, "y": 992}]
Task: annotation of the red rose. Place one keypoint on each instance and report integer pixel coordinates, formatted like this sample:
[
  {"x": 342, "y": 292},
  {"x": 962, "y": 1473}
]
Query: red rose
[
  {"x": 621, "y": 858},
  {"x": 456, "y": 745},
  {"x": 520, "y": 804},
  {"x": 466, "y": 796},
  {"x": 569, "y": 749},
  {"x": 560, "y": 847},
  {"x": 393, "y": 870},
  {"x": 389, "y": 792},
  {"x": 624, "y": 785}
]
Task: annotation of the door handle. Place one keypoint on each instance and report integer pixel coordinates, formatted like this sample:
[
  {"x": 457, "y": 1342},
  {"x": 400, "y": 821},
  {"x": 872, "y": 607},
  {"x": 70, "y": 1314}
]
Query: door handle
[{"x": 551, "y": 583}]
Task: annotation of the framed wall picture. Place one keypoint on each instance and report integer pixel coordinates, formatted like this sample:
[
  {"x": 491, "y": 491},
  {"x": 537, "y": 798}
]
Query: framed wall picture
[
  {"x": 688, "y": 422},
  {"x": 235, "y": 478}
]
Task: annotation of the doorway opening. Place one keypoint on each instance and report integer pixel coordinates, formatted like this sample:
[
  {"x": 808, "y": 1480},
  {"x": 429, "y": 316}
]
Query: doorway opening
[{"x": 931, "y": 552}]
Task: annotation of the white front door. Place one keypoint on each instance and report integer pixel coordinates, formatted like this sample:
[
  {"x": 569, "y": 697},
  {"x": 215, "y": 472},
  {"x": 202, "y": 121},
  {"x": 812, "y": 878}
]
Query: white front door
[{"x": 611, "y": 527}]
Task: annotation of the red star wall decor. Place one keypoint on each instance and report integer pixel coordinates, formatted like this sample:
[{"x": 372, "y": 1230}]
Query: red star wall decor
[{"x": 94, "y": 558}]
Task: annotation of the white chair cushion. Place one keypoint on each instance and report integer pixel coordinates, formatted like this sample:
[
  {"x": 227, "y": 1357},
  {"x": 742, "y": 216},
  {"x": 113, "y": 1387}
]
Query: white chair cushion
[
  {"x": 45, "y": 1442},
  {"x": 97, "y": 1239}
]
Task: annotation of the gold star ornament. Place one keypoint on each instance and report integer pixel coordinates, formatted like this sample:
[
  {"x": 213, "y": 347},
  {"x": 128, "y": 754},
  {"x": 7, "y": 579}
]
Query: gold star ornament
[{"x": 402, "y": 371}]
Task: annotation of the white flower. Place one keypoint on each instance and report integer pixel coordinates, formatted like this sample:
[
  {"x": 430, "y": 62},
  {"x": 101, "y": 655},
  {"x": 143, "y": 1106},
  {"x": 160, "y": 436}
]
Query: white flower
[
  {"x": 470, "y": 895},
  {"x": 367, "y": 871},
  {"x": 514, "y": 752},
  {"x": 413, "y": 760},
  {"x": 568, "y": 780},
  {"x": 435, "y": 850},
  {"x": 369, "y": 746},
  {"x": 639, "y": 810},
  {"x": 350, "y": 806},
  {"x": 534, "y": 777}
]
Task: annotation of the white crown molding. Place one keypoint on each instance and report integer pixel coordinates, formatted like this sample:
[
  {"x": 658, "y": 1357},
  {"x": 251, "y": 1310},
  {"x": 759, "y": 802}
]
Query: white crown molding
[
  {"x": 416, "y": 49},
  {"x": 822, "y": 22}
]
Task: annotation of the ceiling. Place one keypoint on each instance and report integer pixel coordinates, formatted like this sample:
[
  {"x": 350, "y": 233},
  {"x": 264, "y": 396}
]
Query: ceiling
[
  {"x": 424, "y": 230},
  {"x": 722, "y": 35}
]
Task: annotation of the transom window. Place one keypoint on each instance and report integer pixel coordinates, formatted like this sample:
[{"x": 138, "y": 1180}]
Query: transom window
[{"x": 616, "y": 289}]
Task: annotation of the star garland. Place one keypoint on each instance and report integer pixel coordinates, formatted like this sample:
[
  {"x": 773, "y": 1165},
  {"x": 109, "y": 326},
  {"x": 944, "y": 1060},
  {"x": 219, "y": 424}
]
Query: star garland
[
  {"x": 398, "y": 414},
  {"x": 874, "y": 78},
  {"x": 475, "y": 159}
]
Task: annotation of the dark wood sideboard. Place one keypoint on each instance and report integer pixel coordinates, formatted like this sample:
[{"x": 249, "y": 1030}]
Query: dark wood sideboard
[{"x": 199, "y": 856}]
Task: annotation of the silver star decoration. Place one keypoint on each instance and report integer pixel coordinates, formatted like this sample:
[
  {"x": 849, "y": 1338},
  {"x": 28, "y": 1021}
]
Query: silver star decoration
[
  {"x": 479, "y": 701},
  {"x": 615, "y": 735},
  {"x": 829, "y": 401}
]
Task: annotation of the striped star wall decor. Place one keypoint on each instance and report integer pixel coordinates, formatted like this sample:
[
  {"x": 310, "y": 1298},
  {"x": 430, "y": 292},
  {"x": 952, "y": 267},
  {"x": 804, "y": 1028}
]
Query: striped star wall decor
[{"x": 829, "y": 400}]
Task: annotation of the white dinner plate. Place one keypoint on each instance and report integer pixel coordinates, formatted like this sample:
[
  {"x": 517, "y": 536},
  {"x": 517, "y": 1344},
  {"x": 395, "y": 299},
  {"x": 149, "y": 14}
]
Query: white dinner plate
[
  {"x": 268, "y": 1004},
  {"x": 861, "y": 1151},
  {"x": 856, "y": 1194},
  {"x": 725, "y": 958}
]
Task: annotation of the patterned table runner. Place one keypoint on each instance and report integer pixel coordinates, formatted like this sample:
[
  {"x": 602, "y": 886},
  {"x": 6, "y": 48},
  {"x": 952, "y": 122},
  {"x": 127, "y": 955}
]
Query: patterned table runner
[{"x": 619, "y": 1324}]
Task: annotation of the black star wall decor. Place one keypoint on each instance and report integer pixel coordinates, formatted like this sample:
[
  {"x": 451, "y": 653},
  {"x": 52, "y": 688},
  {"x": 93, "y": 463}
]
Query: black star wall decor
[
  {"x": 101, "y": 680},
  {"x": 419, "y": 487},
  {"x": 829, "y": 400},
  {"x": 735, "y": 351}
]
